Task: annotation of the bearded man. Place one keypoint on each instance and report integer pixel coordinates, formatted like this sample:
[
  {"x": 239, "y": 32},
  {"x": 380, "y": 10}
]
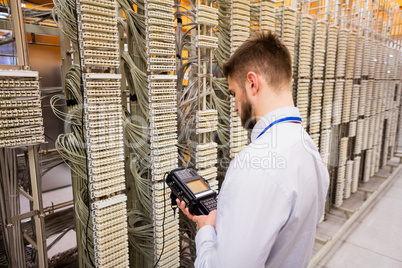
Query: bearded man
[{"x": 274, "y": 191}]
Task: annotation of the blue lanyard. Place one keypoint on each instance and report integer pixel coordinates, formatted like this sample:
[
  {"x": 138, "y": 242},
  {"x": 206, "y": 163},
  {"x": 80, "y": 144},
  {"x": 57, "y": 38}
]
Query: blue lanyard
[{"x": 290, "y": 118}]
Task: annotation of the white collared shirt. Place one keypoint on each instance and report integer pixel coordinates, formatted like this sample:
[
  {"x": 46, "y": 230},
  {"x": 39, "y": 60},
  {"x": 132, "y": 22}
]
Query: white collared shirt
[{"x": 270, "y": 202}]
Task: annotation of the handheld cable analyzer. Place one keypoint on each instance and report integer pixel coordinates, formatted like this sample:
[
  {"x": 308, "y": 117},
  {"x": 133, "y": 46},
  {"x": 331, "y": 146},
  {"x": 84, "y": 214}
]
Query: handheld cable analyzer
[{"x": 188, "y": 186}]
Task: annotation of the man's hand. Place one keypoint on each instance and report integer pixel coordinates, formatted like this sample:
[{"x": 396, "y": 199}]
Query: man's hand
[{"x": 202, "y": 220}]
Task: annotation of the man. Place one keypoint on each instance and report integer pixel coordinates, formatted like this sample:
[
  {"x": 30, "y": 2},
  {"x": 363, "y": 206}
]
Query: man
[{"x": 274, "y": 191}]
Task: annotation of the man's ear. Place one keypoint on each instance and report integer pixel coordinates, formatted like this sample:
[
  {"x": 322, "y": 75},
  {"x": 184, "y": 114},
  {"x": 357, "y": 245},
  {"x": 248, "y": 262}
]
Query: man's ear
[{"x": 252, "y": 81}]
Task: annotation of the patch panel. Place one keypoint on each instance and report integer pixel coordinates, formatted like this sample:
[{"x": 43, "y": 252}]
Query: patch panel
[
  {"x": 155, "y": 111},
  {"x": 100, "y": 93},
  {"x": 173, "y": 231},
  {"x": 347, "y": 101},
  {"x": 21, "y": 120},
  {"x": 163, "y": 137},
  {"x": 107, "y": 254},
  {"x": 98, "y": 234},
  {"x": 173, "y": 244},
  {"x": 98, "y": 10},
  {"x": 19, "y": 103},
  {"x": 19, "y": 93},
  {"x": 367, "y": 165},
  {"x": 102, "y": 3},
  {"x": 105, "y": 191},
  {"x": 95, "y": 108},
  {"x": 161, "y": 144},
  {"x": 100, "y": 36},
  {"x": 161, "y": 61},
  {"x": 17, "y": 85},
  {"x": 102, "y": 139},
  {"x": 161, "y": 52},
  {"x": 104, "y": 123},
  {"x": 366, "y": 126},
  {"x": 162, "y": 104},
  {"x": 101, "y": 62},
  {"x": 164, "y": 84},
  {"x": 161, "y": 68},
  {"x": 109, "y": 216},
  {"x": 163, "y": 30},
  {"x": 206, "y": 172},
  {"x": 163, "y": 2},
  {"x": 168, "y": 98},
  {"x": 94, "y": 27},
  {"x": 241, "y": 5},
  {"x": 157, "y": 174},
  {"x": 106, "y": 175},
  {"x": 163, "y": 118},
  {"x": 108, "y": 153},
  {"x": 207, "y": 9},
  {"x": 212, "y": 177},
  {"x": 169, "y": 259},
  {"x": 207, "y": 38},
  {"x": 206, "y": 44},
  {"x": 348, "y": 179},
  {"x": 163, "y": 8},
  {"x": 102, "y": 45},
  {"x": 160, "y": 22},
  {"x": 207, "y": 152},
  {"x": 98, "y": 19},
  {"x": 237, "y": 29},
  {"x": 103, "y": 100},
  {"x": 340, "y": 186},
  {"x": 106, "y": 161},
  {"x": 372, "y": 131},
  {"x": 203, "y": 18},
  {"x": 239, "y": 38},
  {"x": 20, "y": 112},
  {"x": 22, "y": 141},
  {"x": 165, "y": 157},
  {"x": 350, "y": 62},
  {"x": 206, "y": 163},
  {"x": 161, "y": 15},
  {"x": 168, "y": 226},
  {"x": 109, "y": 237},
  {"x": 93, "y": 170},
  {"x": 162, "y": 131},
  {"x": 168, "y": 236},
  {"x": 18, "y": 122},
  {"x": 21, "y": 132}
]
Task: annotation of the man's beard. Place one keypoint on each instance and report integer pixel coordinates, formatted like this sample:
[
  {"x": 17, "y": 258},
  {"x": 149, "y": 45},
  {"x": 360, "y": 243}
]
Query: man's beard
[{"x": 247, "y": 118}]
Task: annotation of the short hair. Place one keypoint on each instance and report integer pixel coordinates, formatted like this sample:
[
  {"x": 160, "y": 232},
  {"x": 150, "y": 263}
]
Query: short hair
[{"x": 262, "y": 53}]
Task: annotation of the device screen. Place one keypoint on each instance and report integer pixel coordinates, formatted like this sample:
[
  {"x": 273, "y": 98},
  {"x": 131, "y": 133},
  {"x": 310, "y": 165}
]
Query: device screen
[{"x": 197, "y": 186}]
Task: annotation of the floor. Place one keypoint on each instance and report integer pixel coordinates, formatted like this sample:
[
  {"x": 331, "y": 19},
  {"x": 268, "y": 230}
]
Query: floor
[
  {"x": 375, "y": 240},
  {"x": 61, "y": 194}
]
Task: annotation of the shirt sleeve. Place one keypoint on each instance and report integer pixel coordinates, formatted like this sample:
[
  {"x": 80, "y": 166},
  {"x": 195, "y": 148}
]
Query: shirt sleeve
[{"x": 252, "y": 209}]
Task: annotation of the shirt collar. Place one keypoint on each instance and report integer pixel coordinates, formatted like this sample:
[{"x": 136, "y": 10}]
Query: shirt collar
[{"x": 271, "y": 117}]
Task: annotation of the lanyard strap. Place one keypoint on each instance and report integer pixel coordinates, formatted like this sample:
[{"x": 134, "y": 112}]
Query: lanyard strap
[{"x": 290, "y": 118}]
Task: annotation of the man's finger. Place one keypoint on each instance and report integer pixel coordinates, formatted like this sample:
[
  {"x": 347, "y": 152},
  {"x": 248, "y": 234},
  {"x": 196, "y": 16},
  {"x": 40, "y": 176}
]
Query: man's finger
[
  {"x": 195, "y": 219},
  {"x": 184, "y": 209}
]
